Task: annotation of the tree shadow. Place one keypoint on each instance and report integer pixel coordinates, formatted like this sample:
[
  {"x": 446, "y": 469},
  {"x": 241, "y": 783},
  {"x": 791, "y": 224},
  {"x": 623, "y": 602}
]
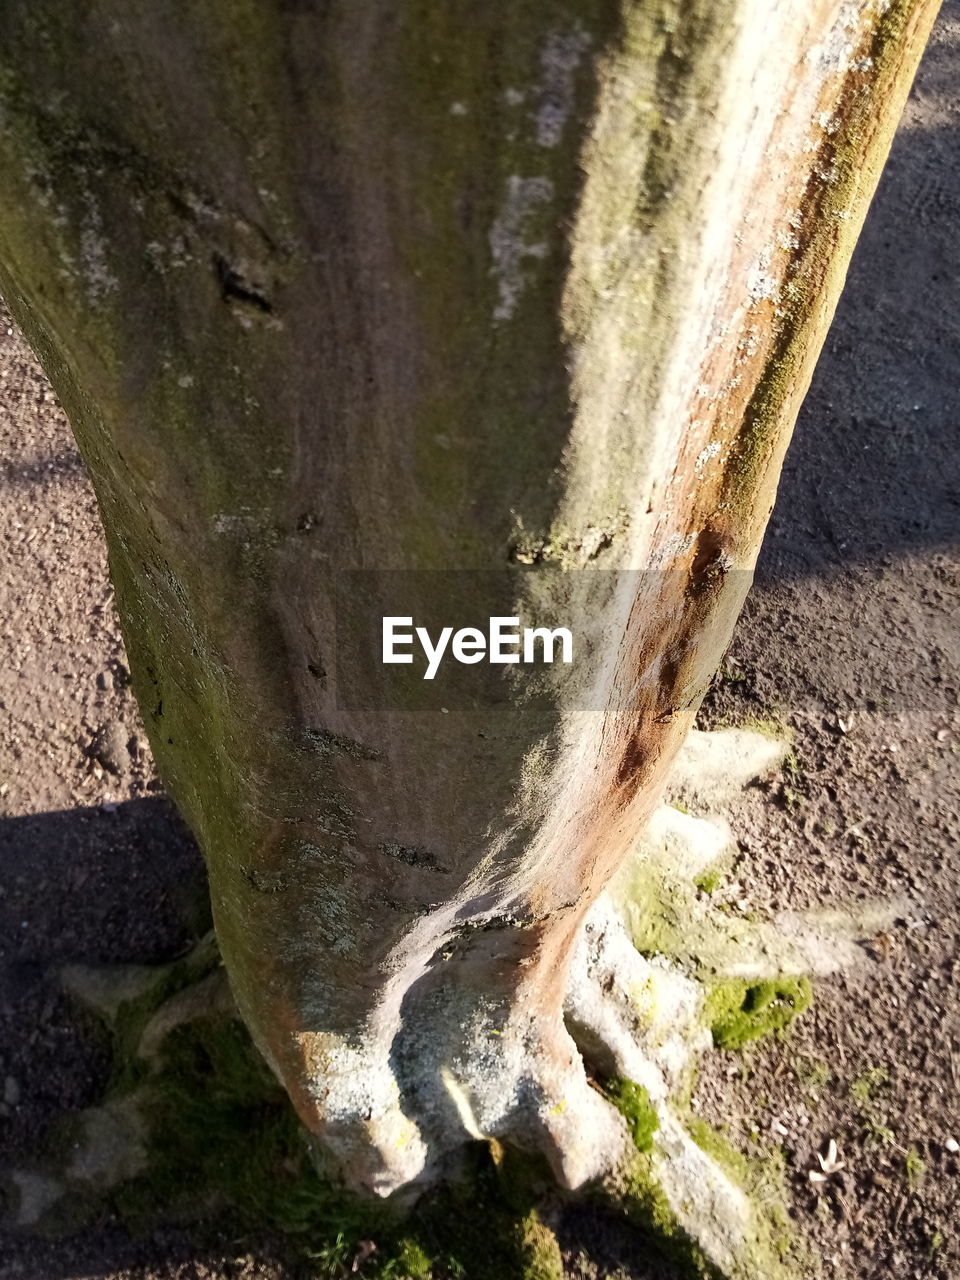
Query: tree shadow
[
  {"x": 123, "y": 884},
  {"x": 171, "y": 1252},
  {"x": 873, "y": 473},
  {"x": 104, "y": 885},
  {"x": 37, "y": 473}
]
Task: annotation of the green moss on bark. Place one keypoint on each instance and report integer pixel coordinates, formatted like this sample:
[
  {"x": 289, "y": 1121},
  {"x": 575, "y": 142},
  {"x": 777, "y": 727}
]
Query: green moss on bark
[{"x": 633, "y": 1102}]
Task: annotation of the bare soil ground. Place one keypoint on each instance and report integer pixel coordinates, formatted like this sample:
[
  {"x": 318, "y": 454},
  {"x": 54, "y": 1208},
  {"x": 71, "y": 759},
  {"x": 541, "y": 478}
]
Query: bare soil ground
[{"x": 850, "y": 638}]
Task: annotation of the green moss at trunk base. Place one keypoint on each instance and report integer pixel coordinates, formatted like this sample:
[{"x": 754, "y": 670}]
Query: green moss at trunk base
[
  {"x": 710, "y": 1140},
  {"x": 224, "y": 1145},
  {"x": 633, "y": 1102},
  {"x": 708, "y": 881},
  {"x": 738, "y": 1010},
  {"x": 768, "y": 1252},
  {"x": 769, "y": 1249},
  {"x": 411, "y": 1263},
  {"x": 222, "y": 1136},
  {"x": 542, "y": 1259},
  {"x": 485, "y": 1223},
  {"x": 637, "y": 1196},
  {"x": 775, "y": 1250}
]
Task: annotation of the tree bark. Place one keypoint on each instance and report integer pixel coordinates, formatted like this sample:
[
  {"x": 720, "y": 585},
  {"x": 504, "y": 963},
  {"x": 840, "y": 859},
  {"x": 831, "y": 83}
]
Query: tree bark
[{"x": 462, "y": 293}]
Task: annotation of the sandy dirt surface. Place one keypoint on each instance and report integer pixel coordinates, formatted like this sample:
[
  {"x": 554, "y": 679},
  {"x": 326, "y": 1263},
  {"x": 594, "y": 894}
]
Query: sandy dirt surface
[{"x": 850, "y": 638}]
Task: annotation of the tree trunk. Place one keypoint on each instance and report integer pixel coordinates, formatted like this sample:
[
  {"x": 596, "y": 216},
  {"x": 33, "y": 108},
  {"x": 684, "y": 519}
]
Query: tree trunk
[{"x": 447, "y": 310}]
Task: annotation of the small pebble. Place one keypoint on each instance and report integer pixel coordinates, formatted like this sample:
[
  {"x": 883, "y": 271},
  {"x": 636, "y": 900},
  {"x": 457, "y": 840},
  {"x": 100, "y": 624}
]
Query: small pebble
[
  {"x": 109, "y": 747},
  {"x": 11, "y": 1092}
]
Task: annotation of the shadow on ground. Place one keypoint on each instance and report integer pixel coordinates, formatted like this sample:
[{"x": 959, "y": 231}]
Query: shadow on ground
[
  {"x": 873, "y": 473},
  {"x": 105, "y": 885}
]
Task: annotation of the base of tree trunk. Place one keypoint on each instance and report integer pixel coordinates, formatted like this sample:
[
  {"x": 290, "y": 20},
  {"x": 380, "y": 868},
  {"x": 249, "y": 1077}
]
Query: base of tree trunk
[{"x": 195, "y": 1122}]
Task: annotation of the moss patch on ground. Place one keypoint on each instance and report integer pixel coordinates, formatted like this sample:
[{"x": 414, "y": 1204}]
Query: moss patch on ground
[{"x": 738, "y": 1010}]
